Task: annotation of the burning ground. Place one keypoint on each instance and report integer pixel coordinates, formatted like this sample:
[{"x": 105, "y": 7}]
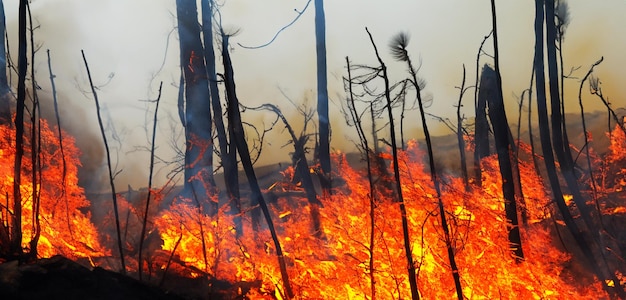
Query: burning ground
[{"x": 358, "y": 251}]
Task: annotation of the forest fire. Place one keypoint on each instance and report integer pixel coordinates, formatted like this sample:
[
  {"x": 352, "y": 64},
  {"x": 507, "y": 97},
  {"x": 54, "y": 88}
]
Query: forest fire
[
  {"x": 391, "y": 221},
  {"x": 64, "y": 226},
  {"x": 344, "y": 262}
]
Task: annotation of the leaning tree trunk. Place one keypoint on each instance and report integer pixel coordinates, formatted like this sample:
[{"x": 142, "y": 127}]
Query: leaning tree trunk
[
  {"x": 242, "y": 148},
  {"x": 229, "y": 164},
  {"x": 546, "y": 146},
  {"x": 198, "y": 173}
]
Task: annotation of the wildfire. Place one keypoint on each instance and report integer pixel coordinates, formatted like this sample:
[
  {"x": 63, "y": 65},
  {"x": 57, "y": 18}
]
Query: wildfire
[
  {"x": 346, "y": 260},
  {"x": 337, "y": 266},
  {"x": 65, "y": 228}
]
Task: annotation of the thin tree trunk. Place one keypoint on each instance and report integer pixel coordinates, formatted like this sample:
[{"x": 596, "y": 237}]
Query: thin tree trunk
[
  {"x": 110, "y": 168},
  {"x": 35, "y": 147},
  {"x": 5, "y": 103},
  {"x": 246, "y": 161},
  {"x": 370, "y": 178},
  {"x": 394, "y": 148},
  {"x": 61, "y": 148},
  {"x": 481, "y": 133},
  {"x": 148, "y": 197},
  {"x": 459, "y": 134}
]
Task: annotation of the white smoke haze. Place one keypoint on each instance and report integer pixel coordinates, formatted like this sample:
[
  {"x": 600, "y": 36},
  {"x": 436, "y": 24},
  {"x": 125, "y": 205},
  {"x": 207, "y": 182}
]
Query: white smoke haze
[{"x": 130, "y": 50}]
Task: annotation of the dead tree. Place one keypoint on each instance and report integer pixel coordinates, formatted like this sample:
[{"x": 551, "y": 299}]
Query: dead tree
[
  {"x": 500, "y": 127},
  {"x": 246, "y": 161},
  {"x": 481, "y": 126},
  {"x": 356, "y": 118},
  {"x": 16, "y": 250},
  {"x": 459, "y": 133},
  {"x": 110, "y": 168},
  {"x": 229, "y": 164},
  {"x": 579, "y": 235},
  {"x": 398, "y": 50},
  {"x": 198, "y": 172},
  {"x": 398, "y": 183},
  {"x": 150, "y": 175},
  {"x": 5, "y": 96},
  {"x": 322, "y": 97}
]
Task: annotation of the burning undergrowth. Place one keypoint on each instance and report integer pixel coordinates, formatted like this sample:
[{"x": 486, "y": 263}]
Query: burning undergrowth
[
  {"x": 346, "y": 260},
  {"x": 336, "y": 264},
  {"x": 64, "y": 226}
]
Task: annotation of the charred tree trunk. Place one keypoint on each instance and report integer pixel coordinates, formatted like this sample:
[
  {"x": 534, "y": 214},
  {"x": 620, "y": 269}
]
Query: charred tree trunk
[
  {"x": 398, "y": 50},
  {"x": 198, "y": 173},
  {"x": 546, "y": 145},
  {"x": 370, "y": 178},
  {"x": 229, "y": 164},
  {"x": 459, "y": 134},
  {"x": 16, "y": 231},
  {"x": 322, "y": 97},
  {"x": 5, "y": 96},
  {"x": 35, "y": 147},
  {"x": 481, "y": 127},
  {"x": 398, "y": 184},
  {"x": 500, "y": 126},
  {"x": 481, "y": 131},
  {"x": 246, "y": 161},
  {"x": 150, "y": 175},
  {"x": 110, "y": 168}
]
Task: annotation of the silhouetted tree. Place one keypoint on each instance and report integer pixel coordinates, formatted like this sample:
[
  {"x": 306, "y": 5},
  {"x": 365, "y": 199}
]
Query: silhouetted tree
[
  {"x": 5, "y": 103},
  {"x": 256, "y": 197},
  {"x": 398, "y": 50},
  {"x": 16, "y": 232},
  {"x": 198, "y": 172},
  {"x": 322, "y": 96}
]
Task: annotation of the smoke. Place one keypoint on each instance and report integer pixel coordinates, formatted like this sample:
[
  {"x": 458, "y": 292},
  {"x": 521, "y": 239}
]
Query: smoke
[{"x": 130, "y": 50}]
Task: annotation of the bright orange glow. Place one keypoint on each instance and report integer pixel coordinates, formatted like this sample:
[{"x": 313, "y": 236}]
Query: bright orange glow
[
  {"x": 337, "y": 266},
  {"x": 65, "y": 229}
]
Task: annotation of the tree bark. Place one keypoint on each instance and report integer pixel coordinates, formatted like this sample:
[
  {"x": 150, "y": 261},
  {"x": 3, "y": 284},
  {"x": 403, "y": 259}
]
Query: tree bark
[
  {"x": 5, "y": 102},
  {"x": 16, "y": 234},
  {"x": 242, "y": 148},
  {"x": 322, "y": 97},
  {"x": 198, "y": 173}
]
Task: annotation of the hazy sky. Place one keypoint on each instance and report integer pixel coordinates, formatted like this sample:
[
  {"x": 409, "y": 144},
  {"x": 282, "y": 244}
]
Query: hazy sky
[{"x": 133, "y": 41}]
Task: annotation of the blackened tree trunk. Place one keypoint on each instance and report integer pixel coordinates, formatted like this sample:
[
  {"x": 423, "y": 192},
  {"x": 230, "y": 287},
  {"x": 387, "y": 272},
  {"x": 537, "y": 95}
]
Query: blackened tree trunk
[
  {"x": 500, "y": 126},
  {"x": 398, "y": 184},
  {"x": 229, "y": 164},
  {"x": 16, "y": 232},
  {"x": 481, "y": 129},
  {"x": 242, "y": 148},
  {"x": 322, "y": 96},
  {"x": 544, "y": 133},
  {"x": 5, "y": 103},
  {"x": 198, "y": 171},
  {"x": 459, "y": 134},
  {"x": 398, "y": 50}
]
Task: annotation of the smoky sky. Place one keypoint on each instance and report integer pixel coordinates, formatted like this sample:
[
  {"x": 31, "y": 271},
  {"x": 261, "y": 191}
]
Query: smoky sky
[{"x": 132, "y": 46}]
